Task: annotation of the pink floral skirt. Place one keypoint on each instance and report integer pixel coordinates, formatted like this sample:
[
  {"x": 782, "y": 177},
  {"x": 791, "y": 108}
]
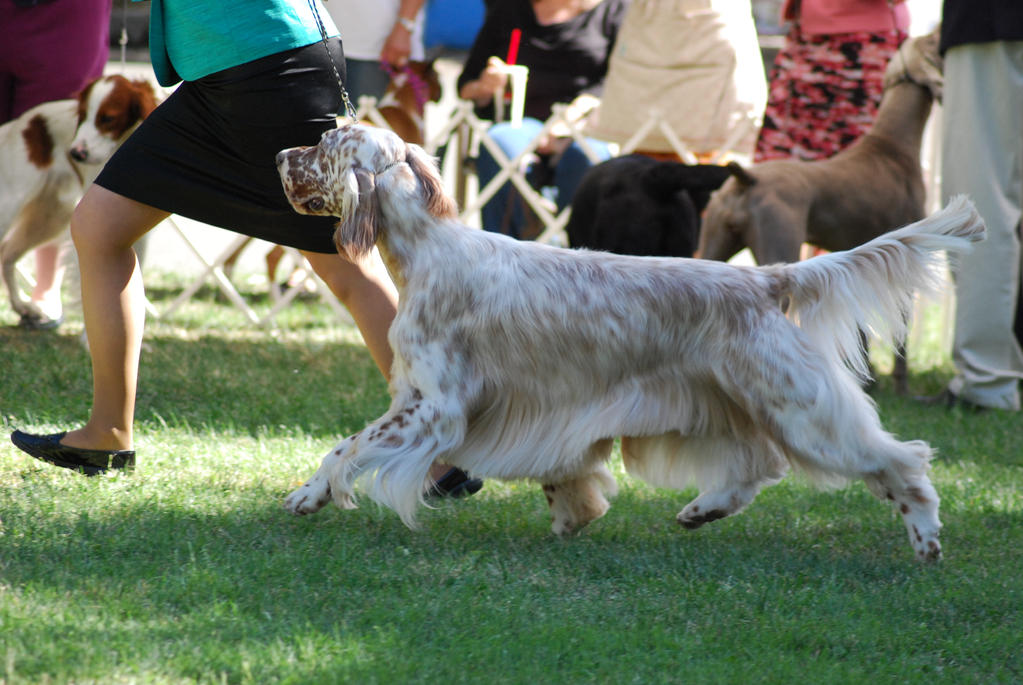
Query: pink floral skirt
[{"x": 824, "y": 93}]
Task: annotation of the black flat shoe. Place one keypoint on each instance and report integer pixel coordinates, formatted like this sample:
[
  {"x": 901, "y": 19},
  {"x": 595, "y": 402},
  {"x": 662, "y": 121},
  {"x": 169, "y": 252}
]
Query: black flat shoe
[
  {"x": 455, "y": 483},
  {"x": 90, "y": 462},
  {"x": 949, "y": 400}
]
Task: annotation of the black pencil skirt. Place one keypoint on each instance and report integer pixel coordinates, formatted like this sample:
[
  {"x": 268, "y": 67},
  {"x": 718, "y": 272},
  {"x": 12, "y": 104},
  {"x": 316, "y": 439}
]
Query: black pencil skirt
[{"x": 207, "y": 152}]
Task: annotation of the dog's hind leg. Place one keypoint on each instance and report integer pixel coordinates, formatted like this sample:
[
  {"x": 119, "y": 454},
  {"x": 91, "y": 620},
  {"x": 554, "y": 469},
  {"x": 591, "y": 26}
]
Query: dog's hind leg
[
  {"x": 843, "y": 439},
  {"x": 575, "y": 502},
  {"x": 900, "y": 371},
  {"x": 905, "y": 483},
  {"x": 900, "y": 367}
]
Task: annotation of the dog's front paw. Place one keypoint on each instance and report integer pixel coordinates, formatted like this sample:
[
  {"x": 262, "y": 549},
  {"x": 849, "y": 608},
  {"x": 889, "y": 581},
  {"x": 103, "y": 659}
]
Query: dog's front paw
[{"x": 310, "y": 498}]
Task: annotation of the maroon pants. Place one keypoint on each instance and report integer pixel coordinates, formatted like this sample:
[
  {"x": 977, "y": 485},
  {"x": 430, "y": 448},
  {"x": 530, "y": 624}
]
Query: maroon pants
[{"x": 50, "y": 51}]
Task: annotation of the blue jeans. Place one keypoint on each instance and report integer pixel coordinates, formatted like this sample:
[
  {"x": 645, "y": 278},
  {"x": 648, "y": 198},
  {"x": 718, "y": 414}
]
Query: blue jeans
[
  {"x": 496, "y": 214},
  {"x": 365, "y": 77}
]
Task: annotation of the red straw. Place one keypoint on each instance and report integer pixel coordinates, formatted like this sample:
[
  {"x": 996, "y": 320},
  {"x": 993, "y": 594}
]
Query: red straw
[{"x": 513, "y": 46}]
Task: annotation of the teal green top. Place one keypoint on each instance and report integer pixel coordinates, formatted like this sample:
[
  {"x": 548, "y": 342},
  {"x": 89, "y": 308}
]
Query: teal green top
[{"x": 189, "y": 39}]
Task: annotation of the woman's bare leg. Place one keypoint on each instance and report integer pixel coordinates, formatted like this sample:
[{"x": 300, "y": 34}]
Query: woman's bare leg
[{"x": 104, "y": 227}]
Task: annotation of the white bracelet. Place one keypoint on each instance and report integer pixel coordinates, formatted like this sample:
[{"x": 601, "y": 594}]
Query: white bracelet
[{"x": 409, "y": 24}]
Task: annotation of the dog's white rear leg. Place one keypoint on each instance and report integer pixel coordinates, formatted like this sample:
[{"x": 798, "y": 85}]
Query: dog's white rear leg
[
  {"x": 859, "y": 447},
  {"x": 909, "y": 489},
  {"x": 575, "y": 502},
  {"x": 316, "y": 492}
]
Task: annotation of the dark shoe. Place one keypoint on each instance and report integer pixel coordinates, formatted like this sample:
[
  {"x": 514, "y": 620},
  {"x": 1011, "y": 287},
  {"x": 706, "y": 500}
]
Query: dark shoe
[
  {"x": 90, "y": 462},
  {"x": 949, "y": 400},
  {"x": 303, "y": 294},
  {"x": 455, "y": 483},
  {"x": 34, "y": 323}
]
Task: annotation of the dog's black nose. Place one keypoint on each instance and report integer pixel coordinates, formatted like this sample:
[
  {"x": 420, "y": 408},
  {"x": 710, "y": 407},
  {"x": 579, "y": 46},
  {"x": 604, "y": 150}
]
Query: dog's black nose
[{"x": 79, "y": 154}]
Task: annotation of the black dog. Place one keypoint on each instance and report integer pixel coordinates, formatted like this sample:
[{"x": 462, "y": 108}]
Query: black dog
[{"x": 636, "y": 205}]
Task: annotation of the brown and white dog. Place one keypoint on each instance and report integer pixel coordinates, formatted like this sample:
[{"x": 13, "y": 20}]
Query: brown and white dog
[
  {"x": 515, "y": 359},
  {"x": 49, "y": 155},
  {"x": 403, "y": 105},
  {"x": 871, "y": 187}
]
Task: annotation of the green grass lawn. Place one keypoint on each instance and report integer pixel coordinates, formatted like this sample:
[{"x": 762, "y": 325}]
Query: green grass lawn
[{"x": 189, "y": 570}]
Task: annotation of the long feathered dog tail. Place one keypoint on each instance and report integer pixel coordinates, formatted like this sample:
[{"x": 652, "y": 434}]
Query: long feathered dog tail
[{"x": 834, "y": 296}]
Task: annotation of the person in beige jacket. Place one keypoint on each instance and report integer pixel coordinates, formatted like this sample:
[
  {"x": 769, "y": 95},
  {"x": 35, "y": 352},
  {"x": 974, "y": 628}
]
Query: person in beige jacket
[{"x": 695, "y": 65}]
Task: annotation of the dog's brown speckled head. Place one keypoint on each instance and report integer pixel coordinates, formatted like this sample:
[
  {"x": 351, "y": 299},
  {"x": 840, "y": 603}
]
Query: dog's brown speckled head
[{"x": 349, "y": 171}]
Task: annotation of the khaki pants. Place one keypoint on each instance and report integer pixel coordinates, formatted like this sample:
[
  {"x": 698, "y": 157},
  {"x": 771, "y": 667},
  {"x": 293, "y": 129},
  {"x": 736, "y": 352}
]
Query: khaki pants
[{"x": 983, "y": 157}]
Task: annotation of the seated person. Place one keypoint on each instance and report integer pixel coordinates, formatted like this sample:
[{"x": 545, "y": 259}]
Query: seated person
[
  {"x": 697, "y": 65},
  {"x": 566, "y": 45}
]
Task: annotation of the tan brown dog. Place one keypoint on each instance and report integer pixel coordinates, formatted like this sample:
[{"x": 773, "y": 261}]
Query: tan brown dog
[{"x": 838, "y": 203}]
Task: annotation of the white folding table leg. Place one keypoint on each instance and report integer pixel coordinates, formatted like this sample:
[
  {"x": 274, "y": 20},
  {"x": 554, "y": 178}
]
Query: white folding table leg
[
  {"x": 292, "y": 292},
  {"x": 215, "y": 270}
]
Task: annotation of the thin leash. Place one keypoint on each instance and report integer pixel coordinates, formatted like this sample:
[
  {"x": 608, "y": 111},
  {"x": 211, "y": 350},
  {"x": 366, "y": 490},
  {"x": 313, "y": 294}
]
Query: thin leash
[
  {"x": 124, "y": 38},
  {"x": 349, "y": 109}
]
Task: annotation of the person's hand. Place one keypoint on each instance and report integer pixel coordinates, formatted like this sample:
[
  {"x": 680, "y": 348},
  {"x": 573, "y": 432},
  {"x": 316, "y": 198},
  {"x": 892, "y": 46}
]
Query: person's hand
[
  {"x": 397, "y": 47},
  {"x": 576, "y": 111},
  {"x": 580, "y": 108},
  {"x": 492, "y": 79}
]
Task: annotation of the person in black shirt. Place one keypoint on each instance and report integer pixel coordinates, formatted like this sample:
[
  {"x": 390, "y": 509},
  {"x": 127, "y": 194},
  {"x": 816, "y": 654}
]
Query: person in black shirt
[{"x": 566, "y": 45}]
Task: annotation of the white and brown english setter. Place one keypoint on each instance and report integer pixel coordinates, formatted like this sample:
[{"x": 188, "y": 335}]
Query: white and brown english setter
[{"x": 520, "y": 360}]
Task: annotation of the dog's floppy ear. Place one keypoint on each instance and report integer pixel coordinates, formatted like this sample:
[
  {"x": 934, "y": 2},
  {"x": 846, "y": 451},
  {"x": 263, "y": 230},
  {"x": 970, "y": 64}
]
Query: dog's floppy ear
[
  {"x": 744, "y": 177},
  {"x": 435, "y": 201},
  {"x": 699, "y": 180},
  {"x": 356, "y": 232}
]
